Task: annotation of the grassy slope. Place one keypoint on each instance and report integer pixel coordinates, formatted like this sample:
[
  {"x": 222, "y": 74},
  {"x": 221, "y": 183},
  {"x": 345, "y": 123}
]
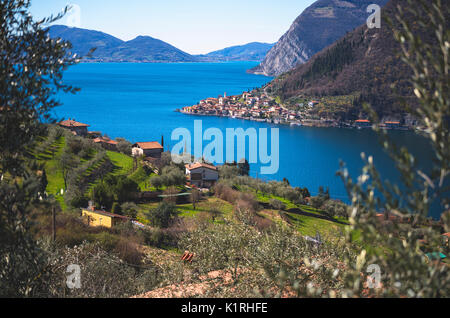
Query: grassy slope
[
  {"x": 187, "y": 210},
  {"x": 307, "y": 225},
  {"x": 142, "y": 179},
  {"x": 54, "y": 174},
  {"x": 123, "y": 165}
]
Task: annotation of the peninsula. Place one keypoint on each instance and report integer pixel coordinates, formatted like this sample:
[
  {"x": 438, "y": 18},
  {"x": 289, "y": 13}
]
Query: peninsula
[{"x": 258, "y": 105}]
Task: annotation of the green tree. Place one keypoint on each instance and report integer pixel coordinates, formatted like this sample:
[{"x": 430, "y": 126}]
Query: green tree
[
  {"x": 156, "y": 181},
  {"x": 31, "y": 73},
  {"x": 116, "y": 208},
  {"x": 102, "y": 196},
  {"x": 228, "y": 171},
  {"x": 195, "y": 197},
  {"x": 125, "y": 189},
  {"x": 124, "y": 146},
  {"x": 67, "y": 162},
  {"x": 162, "y": 215},
  {"x": 244, "y": 168},
  {"x": 421, "y": 28},
  {"x": 130, "y": 209}
]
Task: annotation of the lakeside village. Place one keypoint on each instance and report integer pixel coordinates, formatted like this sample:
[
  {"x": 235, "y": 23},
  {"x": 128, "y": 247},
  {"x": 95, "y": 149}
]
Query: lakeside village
[{"x": 260, "y": 107}]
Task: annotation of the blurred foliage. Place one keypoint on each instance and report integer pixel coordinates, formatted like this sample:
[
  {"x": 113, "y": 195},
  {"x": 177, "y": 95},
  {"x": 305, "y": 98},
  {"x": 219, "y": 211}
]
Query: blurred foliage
[{"x": 405, "y": 270}]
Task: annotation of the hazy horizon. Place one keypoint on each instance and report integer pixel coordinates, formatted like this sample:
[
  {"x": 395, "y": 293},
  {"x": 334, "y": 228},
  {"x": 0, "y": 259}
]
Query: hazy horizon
[{"x": 196, "y": 27}]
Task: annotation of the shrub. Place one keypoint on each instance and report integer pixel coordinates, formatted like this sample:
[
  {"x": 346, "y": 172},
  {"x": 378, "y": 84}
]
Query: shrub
[
  {"x": 76, "y": 199},
  {"x": 263, "y": 224},
  {"x": 127, "y": 249},
  {"x": 103, "y": 196},
  {"x": 335, "y": 208},
  {"x": 116, "y": 208},
  {"x": 226, "y": 193},
  {"x": 125, "y": 189},
  {"x": 103, "y": 274},
  {"x": 317, "y": 202},
  {"x": 173, "y": 176},
  {"x": 124, "y": 146},
  {"x": 228, "y": 171},
  {"x": 130, "y": 209},
  {"x": 171, "y": 193},
  {"x": 277, "y": 204},
  {"x": 163, "y": 215},
  {"x": 156, "y": 181}
]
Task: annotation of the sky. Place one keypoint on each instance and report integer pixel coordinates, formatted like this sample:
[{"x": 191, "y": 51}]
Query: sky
[{"x": 194, "y": 26}]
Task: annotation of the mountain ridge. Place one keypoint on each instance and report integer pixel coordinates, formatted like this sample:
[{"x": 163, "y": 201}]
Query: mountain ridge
[
  {"x": 318, "y": 26},
  {"x": 146, "y": 49},
  {"x": 253, "y": 51},
  {"x": 366, "y": 64},
  {"x": 112, "y": 49}
]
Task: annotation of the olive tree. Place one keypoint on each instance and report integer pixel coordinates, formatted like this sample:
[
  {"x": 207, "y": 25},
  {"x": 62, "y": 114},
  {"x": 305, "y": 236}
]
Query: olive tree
[
  {"x": 31, "y": 72},
  {"x": 421, "y": 28}
]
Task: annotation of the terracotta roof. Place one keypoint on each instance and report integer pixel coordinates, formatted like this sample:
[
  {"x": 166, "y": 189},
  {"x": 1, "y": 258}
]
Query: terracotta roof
[
  {"x": 107, "y": 214},
  {"x": 200, "y": 165},
  {"x": 72, "y": 123},
  {"x": 391, "y": 217},
  {"x": 363, "y": 121},
  {"x": 107, "y": 141},
  {"x": 149, "y": 145},
  {"x": 393, "y": 122},
  {"x": 447, "y": 234}
]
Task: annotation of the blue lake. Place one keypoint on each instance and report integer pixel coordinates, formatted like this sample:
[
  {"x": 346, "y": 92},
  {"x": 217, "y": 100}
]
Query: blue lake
[{"x": 138, "y": 102}]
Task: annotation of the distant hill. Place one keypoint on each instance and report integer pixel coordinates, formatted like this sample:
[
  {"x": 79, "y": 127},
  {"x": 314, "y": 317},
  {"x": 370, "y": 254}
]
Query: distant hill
[
  {"x": 254, "y": 51},
  {"x": 320, "y": 25},
  {"x": 365, "y": 63},
  {"x": 84, "y": 40},
  {"x": 111, "y": 49},
  {"x": 148, "y": 49}
]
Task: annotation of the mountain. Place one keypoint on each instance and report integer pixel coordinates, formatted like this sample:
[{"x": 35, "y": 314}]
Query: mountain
[
  {"x": 148, "y": 49},
  {"x": 320, "y": 25},
  {"x": 111, "y": 49},
  {"x": 254, "y": 51},
  {"x": 84, "y": 40},
  {"x": 365, "y": 64}
]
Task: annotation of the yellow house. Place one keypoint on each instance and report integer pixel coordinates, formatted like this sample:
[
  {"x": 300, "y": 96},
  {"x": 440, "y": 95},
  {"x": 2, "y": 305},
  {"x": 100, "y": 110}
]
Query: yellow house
[{"x": 102, "y": 218}]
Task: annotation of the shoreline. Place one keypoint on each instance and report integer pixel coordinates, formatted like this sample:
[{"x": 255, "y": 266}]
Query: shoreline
[{"x": 299, "y": 123}]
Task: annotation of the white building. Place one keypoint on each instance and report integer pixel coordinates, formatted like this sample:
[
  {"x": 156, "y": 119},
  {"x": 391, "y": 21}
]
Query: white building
[{"x": 202, "y": 175}]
